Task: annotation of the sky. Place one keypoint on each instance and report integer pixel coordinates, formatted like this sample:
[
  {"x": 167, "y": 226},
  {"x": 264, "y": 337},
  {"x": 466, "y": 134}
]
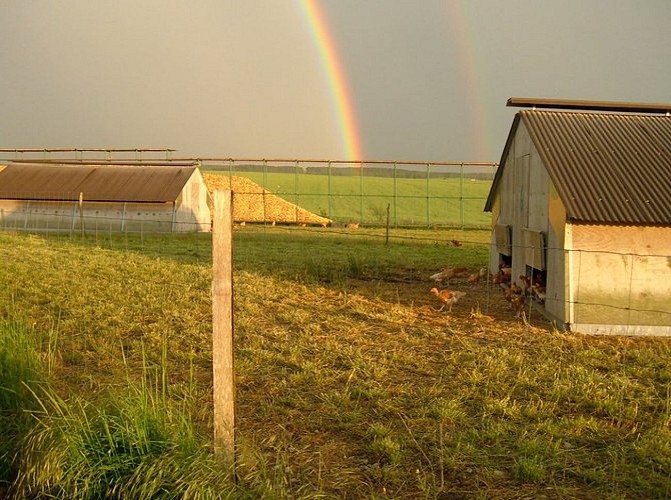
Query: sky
[{"x": 406, "y": 80}]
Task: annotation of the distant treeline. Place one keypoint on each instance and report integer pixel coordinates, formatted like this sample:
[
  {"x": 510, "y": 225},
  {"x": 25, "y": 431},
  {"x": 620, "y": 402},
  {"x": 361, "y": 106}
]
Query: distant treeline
[{"x": 404, "y": 172}]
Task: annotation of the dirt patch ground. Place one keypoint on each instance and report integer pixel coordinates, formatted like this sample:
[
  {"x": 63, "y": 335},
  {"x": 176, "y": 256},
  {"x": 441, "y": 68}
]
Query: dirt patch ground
[{"x": 252, "y": 203}]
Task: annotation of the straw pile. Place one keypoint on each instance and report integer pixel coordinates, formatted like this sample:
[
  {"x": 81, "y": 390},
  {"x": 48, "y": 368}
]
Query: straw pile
[{"x": 252, "y": 203}]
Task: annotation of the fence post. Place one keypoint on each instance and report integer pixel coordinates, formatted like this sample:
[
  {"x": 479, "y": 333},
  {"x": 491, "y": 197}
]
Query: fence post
[
  {"x": 428, "y": 195},
  {"x": 395, "y": 199},
  {"x": 361, "y": 193},
  {"x": 386, "y": 236},
  {"x": 223, "y": 372},
  {"x": 27, "y": 214},
  {"x": 81, "y": 211},
  {"x": 329, "y": 190},
  {"x": 263, "y": 189},
  {"x": 461, "y": 194},
  {"x": 296, "y": 196}
]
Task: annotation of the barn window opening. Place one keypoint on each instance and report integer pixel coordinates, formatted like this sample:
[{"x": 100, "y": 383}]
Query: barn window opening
[
  {"x": 505, "y": 261},
  {"x": 535, "y": 282}
]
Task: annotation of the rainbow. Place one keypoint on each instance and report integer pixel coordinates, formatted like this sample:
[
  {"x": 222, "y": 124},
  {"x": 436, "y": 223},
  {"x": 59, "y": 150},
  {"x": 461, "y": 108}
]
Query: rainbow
[
  {"x": 465, "y": 41},
  {"x": 336, "y": 77}
]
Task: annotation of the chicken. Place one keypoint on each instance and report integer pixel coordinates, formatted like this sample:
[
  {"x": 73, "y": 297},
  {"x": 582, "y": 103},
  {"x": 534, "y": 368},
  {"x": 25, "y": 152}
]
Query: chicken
[
  {"x": 447, "y": 274},
  {"x": 517, "y": 302},
  {"x": 538, "y": 293},
  {"x": 515, "y": 289},
  {"x": 462, "y": 274},
  {"x": 526, "y": 284},
  {"x": 507, "y": 292},
  {"x": 447, "y": 297},
  {"x": 456, "y": 243},
  {"x": 500, "y": 277},
  {"x": 476, "y": 277}
]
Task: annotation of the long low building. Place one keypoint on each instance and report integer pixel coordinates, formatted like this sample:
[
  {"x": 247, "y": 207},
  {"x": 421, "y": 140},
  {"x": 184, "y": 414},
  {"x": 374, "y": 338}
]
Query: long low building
[{"x": 170, "y": 197}]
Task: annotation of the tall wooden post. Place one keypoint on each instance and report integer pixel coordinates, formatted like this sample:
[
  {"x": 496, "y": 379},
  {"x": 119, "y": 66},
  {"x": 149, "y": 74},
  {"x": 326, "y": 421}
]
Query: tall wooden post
[{"x": 222, "y": 329}]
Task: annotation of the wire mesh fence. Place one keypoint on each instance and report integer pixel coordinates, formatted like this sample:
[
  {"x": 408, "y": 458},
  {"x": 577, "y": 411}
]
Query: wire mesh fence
[
  {"x": 322, "y": 192},
  {"x": 401, "y": 194},
  {"x": 625, "y": 293},
  {"x": 338, "y": 197}
]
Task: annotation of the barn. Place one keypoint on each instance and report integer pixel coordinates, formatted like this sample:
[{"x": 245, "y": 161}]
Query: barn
[
  {"x": 119, "y": 197},
  {"x": 581, "y": 204}
]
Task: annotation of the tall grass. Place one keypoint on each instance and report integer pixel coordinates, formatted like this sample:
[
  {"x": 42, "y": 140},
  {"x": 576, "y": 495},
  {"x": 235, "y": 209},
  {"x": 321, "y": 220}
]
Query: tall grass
[
  {"x": 21, "y": 373},
  {"x": 132, "y": 444}
]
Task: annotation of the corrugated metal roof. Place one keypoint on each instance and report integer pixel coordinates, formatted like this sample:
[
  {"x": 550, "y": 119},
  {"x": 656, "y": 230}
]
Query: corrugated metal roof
[
  {"x": 607, "y": 167},
  {"x": 96, "y": 182}
]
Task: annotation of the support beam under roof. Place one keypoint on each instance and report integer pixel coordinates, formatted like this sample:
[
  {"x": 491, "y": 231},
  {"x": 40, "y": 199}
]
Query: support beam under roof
[{"x": 625, "y": 107}]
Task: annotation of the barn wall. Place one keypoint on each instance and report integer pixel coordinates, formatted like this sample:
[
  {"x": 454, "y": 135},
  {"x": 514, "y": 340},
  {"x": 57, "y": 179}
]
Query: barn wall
[
  {"x": 502, "y": 208},
  {"x": 193, "y": 212},
  {"x": 621, "y": 275},
  {"x": 556, "y": 303},
  {"x": 189, "y": 213},
  {"x": 92, "y": 216}
]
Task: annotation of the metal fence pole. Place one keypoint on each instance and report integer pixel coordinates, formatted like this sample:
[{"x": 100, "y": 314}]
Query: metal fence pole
[
  {"x": 296, "y": 195},
  {"x": 428, "y": 195},
  {"x": 360, "y": 193},
  {"x": 263, "y": 188},
  {"x": 329, "y": 190},
  {"x": 395, "y": 198},
  {"x": 461, "y": 195}
]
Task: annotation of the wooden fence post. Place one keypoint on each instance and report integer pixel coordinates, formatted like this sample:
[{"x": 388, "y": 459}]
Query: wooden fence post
[{"x": 222, "y": 329}]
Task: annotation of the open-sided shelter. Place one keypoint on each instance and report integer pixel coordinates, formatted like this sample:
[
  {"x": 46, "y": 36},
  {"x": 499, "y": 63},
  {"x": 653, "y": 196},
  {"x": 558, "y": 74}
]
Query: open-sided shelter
[
  {"x": 581, "y": 202},
  {"x": 118, "y": 197}
]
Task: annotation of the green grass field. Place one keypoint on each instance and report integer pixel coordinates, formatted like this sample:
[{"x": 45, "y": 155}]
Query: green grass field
[
  {"x": 350, "y": 383},
  {"x": 359, "y": 198}
]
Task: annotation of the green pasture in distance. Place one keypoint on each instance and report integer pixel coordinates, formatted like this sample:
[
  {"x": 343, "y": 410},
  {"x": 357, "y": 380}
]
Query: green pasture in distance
[{"x": 452, "y": 201}]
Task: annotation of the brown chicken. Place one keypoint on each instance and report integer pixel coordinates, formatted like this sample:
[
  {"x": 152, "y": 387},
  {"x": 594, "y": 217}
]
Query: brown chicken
[
  {"x": 447, "y": 297},
  {"x": 526, "y": 284},
  {"x": 476, "y": 277},
  {"x": 500, "y": 277},
  {"x": 505, "y": 268},
  {"x": 538, "y": 293},
  {"x": 447, "y": 274},
  {"x": 517, "y": 302}
]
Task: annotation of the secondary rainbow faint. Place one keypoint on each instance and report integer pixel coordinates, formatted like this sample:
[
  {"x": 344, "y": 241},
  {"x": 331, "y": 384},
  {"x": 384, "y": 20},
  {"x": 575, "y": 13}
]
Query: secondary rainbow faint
[
  {"x": 337, "y": 79},
  {"x": 465, "y": 40}
]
